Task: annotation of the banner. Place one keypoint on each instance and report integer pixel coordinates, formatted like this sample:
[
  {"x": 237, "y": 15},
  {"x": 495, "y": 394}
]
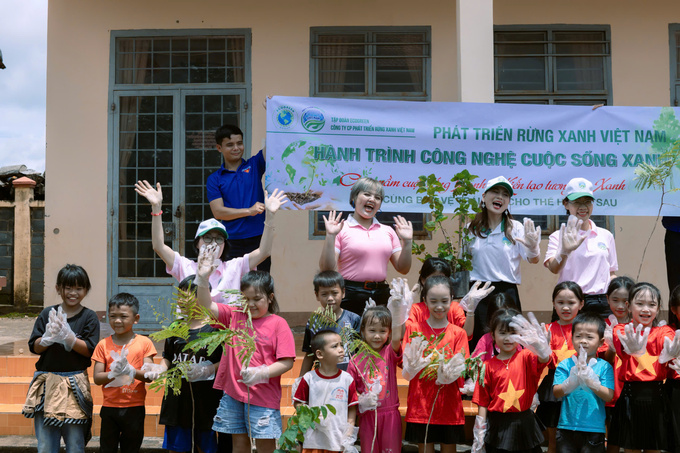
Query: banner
[{"x": 318, "y": 147}]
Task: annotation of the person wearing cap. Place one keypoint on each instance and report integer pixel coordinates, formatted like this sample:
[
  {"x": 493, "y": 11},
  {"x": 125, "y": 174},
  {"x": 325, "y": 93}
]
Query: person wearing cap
[
  {"x": 582, "y": 252},
  {"x": 500, "y": 244},
  {"x": 229, "y": 272}
]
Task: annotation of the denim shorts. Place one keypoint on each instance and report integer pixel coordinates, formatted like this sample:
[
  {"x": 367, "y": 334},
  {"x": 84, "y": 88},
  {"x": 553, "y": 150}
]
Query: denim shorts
[{"x": 232, "y": 416}]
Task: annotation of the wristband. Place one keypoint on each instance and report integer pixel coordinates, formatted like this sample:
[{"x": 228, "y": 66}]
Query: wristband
[{"x": 156, "y": 215}]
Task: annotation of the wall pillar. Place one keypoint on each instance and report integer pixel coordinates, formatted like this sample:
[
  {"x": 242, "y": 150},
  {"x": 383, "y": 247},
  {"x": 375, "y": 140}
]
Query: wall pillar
[
  {"x": 23, "y": 195},
  {"x": 474, "y": 26}
]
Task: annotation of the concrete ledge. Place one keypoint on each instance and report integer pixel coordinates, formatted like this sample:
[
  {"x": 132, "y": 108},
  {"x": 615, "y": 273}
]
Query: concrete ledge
[{"x": 24, "y": 444}]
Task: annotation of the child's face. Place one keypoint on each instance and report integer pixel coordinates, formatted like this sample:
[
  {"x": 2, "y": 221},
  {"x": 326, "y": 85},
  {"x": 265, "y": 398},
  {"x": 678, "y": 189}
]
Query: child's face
[
  {"x": 258, "y": 302},
  {"x": 501, "y": 337},
  {"x": 122, "y": 318},
  {"x": 644, "y": 308},
  {"x": 618, "y": 303},
  {"x": 586, "y": 335},
  {"x": 567, "y": 306},
  {"x": 375, "y": 334},
  {"x": 232, "y": 149},
  {"x": 330, "y": 297},
  {"x": 333, "y": 352},
  {"x": 72, "y": 296},
  {"x": 438, "y": 300}
]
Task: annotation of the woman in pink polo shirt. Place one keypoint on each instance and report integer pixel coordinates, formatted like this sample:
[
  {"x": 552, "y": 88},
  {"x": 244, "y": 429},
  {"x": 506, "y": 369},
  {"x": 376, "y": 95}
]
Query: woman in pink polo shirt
[
  {"x": 360, "y": 247},
  {"x": 581, "y": 251}
]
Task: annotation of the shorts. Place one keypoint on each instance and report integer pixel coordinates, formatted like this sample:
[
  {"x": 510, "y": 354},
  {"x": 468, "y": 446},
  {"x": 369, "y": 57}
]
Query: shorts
[
  {"x": 177, "y": 438},
  {"x": 232, "y": 415},
  {"x": 569, "y": 441}
]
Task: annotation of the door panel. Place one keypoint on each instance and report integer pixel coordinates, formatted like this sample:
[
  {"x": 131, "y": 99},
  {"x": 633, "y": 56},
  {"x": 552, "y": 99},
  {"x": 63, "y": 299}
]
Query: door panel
[{"x": 167, "y": 137}]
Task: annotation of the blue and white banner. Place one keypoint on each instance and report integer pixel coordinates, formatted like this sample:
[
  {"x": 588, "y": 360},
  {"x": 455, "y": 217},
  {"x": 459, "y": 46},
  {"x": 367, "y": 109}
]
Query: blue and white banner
[{"x": 318, "y": 147}]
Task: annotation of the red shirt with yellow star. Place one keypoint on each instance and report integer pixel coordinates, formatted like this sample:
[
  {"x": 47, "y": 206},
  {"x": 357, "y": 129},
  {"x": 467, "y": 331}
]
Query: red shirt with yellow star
[
  {"x": 560, "y": 343},
  {"x": 646, "y": 367},
  {"x": 448, "y": 409},
  {"x": 510, "y": 385}
]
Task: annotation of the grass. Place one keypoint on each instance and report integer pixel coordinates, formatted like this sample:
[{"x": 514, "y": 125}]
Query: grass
[{"x": 15, "y": 315}]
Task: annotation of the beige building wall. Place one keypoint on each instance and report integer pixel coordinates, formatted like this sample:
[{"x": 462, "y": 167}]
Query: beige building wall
[{"x": 78, "y": 118}]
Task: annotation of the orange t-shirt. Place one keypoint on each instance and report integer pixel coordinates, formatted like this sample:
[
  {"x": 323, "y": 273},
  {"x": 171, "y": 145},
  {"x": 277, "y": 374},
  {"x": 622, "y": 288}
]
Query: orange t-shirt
[{"x": 132, "y": 395}]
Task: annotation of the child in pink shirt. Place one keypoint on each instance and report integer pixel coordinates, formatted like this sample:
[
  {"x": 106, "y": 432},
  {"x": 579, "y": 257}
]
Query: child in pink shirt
[
  {"x": 378, "y": 394},
  {"x": 250, "y": 406}
]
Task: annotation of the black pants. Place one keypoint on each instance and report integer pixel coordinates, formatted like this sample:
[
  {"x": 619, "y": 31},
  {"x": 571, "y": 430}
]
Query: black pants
[
  {"x": 481, "y": 323},
  {"x": 569, "y": 441},
  {"x": 672, "y": 243},
  {"x": 124, "y": 426},
  {"x": 239, "y": 247},
  {"x": 356, "y": 297}
]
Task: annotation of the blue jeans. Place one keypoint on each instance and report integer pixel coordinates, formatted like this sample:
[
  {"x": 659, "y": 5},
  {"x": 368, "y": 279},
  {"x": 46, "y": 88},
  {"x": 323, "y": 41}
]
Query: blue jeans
[{"x": 49, "y": 437}]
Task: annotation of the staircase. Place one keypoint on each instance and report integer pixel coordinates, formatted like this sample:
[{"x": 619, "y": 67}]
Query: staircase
[{"x": 16, "y": 372}]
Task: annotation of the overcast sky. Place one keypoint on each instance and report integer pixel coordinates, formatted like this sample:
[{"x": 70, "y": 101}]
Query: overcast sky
[{"x": 23, "y": 41}]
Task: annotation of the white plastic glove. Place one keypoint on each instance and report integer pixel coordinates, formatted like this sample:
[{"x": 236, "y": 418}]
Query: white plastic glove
[
  {"x": 400, "y": 302},
  {"x": 531, "y": 335},
  {"x": 469, "y": 387},
  {"x": 202, "y": 371},
  {"x": 570, "y": 238},
  {"x": 152, "y": 370},
  {"x": 634, "y": 340},
  {"x": 370, "y": 303},
  {"x": 675, "y": 365},
  {"x": 57, "y": 330},
  {"x": 450, "y": 370},
  {"x": 584, "y": 371},
  {"x": 671, "y": 348},
  {"x": 255, "y": 375},
  {"x": 121, "y": 372},
  {"x": 609, "y": 331},
  {"x": 349, "y": 437},
  {"x": 370, "y": 400},
  {"x": 478, "y": 433},
  {"x": 572, "y": 382},
  {"x": 531, "y": 239},
  {"x": 535, "y": 402},
  {"x": 413, "y": 360},
  {"x": 475, "y": 295}
]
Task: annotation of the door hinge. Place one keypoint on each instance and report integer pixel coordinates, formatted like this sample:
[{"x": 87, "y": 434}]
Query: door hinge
[
  {"x": 113, "y": 106},
  {"x": 245, "y": 105}
]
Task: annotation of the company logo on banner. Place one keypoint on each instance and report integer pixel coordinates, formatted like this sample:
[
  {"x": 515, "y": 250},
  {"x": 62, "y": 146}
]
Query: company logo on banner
[{"x": 318, "y": 148}]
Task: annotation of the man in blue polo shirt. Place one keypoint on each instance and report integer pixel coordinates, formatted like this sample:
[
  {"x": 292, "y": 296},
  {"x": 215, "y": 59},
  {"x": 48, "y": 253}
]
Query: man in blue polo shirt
[{"x": 235, "y": 193}]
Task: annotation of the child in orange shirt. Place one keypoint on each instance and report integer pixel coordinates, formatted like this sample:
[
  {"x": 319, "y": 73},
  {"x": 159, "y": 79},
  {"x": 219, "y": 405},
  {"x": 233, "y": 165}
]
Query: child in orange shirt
[{"x": 118, "y": 367}]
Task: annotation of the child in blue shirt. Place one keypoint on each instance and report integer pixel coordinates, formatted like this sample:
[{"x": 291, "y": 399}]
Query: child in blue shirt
[{"x": 585, "y": 383}]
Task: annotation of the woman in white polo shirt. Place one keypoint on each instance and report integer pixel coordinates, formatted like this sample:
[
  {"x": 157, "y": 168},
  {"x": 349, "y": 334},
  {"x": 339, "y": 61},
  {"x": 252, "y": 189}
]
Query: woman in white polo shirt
[
  {"x": 581, "y": 251},
  {"x": 360, "y": 247},
  {"x": 499, "y": 245}
]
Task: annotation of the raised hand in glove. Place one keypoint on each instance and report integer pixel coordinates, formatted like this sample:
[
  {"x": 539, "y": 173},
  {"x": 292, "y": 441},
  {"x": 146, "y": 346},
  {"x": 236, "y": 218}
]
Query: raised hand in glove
[
  {"x": 570, "y": 237},
  {"x": 202, "y": 371},
  {"x": 413, "y": 360},
  {"x": 152, "y": 370},
  {"x": 475, "y": 295},
  {"x": 671, "y": 348},
  {"x": 370, "y": 303},
  {"x": 478, "y": 433},
  {"x": 531, "y": 335},
  {"x": 584, "y": 371},
  {"x": 255, "y": 375},
  {"x": 572, "y": 382},
  {"x": 450, "y": 370},
  {"x": 400, "y": 302},
  {"x": 634, "y": 340},
  {"x": 121, "y": 371},
  {"x": 469, "y": 387},
  {"x": 370, "y": 400},
  {"x": 609, "y": 331},
  {"x": 531, "y": 239}
]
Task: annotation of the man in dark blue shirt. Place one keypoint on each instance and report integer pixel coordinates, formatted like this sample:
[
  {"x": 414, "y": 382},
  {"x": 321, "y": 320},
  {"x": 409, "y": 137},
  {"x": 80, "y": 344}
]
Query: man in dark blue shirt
[{"x": 235, "y": 193}]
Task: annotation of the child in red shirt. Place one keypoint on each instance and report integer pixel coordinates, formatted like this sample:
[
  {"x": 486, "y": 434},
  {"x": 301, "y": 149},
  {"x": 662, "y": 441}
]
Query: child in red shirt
[
  {"x": 505, "y": 420},
  {"x": 434, "y": 407}
]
